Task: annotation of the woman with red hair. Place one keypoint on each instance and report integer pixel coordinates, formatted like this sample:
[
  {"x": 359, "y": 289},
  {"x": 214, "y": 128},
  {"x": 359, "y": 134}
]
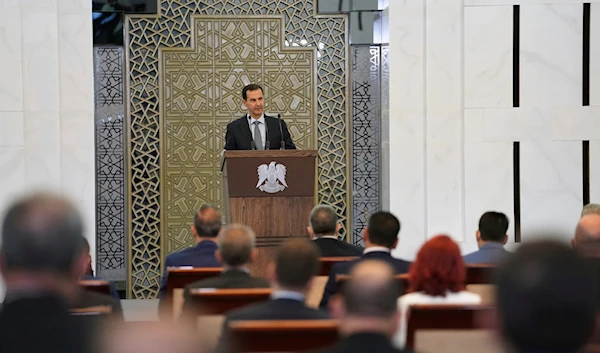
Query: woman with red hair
[{"x": 436, "y": 277}]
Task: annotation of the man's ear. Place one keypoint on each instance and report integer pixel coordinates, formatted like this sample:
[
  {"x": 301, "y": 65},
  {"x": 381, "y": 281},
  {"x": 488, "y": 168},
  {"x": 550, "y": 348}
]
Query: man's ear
[
  {"x": 395, "y": 244},
  {"x": 336, "y": 307},
  {"x": 478, "y": 235},
  {"x": 193, "y": 229},
  {"x": 505, "y": 240},
  {"x": 311, "y": 234},
  {"x": 218, "y": 256},
  {"x": 366, "y": 235},
  {"x": 253, "y": 255},
  {"x": 337, "y": 228}
]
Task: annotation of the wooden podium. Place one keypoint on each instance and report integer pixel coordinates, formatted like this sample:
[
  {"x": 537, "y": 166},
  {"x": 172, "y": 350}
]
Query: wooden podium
[{"x": 274, "y": 211}]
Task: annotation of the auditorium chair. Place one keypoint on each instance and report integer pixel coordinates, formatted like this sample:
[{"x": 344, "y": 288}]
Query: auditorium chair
[
  {"x": 282, "y": 336},
  {"x": 314, "y": 295},
  {"x": 177, "y": 279},
  {"x": 95, "y": 285},
  {"x": 91, "y": 311},
  {"x": 450, "y": 328},
  {"x": 480, "y": 280}
]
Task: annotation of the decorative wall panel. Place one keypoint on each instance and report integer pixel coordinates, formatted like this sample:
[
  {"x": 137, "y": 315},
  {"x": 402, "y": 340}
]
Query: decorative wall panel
[
  {"x": 110, "y": 163},
  {"x": 201, "y": 94},
  {"x": 172, "y": 29},
  {"x": 366, "y": 137}
]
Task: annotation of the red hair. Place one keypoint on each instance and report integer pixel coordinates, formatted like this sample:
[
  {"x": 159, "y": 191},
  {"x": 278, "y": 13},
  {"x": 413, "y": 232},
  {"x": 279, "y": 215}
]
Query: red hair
[{"x": 439, "y": 267}]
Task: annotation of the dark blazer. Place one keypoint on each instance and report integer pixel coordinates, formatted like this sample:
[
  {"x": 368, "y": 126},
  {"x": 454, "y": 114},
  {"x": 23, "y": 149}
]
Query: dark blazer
[
  {"x": 88, "y": 299},
  {"x": 275, "y": 309},
  {"x": 343, "y": 268},
  {"x": 113, "y": 289},
  {"x": 201, "y": 255},
  {"x": 362, "y": 342},
  {"x": 333, "y": 247},
  {"x": 227, "y": 279},
  {"x": 239, "y": 136},
  {"x": 42, "y": 323}
]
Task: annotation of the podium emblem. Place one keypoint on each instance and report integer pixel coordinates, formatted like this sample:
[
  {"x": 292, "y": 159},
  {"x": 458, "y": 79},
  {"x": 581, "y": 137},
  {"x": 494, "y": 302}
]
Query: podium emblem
[{"x": 271, "y": 178}]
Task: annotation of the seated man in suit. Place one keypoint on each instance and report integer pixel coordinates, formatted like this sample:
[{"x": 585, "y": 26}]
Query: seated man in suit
[
  {"x": 380, "y": 237},
  {"x": 291, "y": 274},
  {"x": 89, "y": 273},
  {"x": 366, "y": 310},
  {"x": 491, "y": 237},
  {"x": 207, "y": 224},
  {"x": 255, "y": 130},
  {"x": 42, "y": 260},
  {"x": 324, "y": 229},
  {"x": 236, "y": 251},
  {"x": 546, "y": 299}
]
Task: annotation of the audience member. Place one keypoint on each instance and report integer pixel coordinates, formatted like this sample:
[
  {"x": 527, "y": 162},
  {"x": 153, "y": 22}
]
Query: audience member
[
  {"x": 324, "y": 229},
  {"x": 380, "y": 237},
  {"x": 491, "y": 237},
  {"x": 236, "y": 252},
  {"x": 291, "y": 274},
  {"x": 367, "y": 310},
  {"x": 89, "y": 272},
  {"x": 42, "y": 259},
  {"x": 436, "y": 277},
  {"x": 587, "y": 236},
  {"x": 546, "y": 299},
  {"x": 207, "y": 224},
  {"x": 590, "y": 208}
]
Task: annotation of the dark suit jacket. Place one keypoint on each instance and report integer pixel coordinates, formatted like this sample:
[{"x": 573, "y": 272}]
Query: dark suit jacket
[
  {"x": 362, "y": 342},
  {"x": 88, "y": 299},
  {"x": 201, "y": 255},
  {"x": 239, "y": 136},
  {"x": 400, "y": 267},
  {"x": 42, "y": 323},
  {"x": 333, "y": 247},
  {"x": 275, "y": 309}
]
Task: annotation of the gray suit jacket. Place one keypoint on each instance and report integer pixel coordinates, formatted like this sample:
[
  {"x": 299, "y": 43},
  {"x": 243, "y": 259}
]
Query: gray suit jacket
[{"x": 489, "y": 253}]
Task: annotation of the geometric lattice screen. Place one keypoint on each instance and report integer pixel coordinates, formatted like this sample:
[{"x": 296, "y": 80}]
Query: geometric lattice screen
[
  {"x": 110, "y": 163},
  {"x": 171, "y": 28},
  {"x": 201, "y": 94}
]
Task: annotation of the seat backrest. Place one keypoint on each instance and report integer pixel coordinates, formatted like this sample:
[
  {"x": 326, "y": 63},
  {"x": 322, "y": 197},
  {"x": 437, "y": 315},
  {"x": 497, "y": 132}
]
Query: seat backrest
[
  {"x": 92, "y": 311},
  {"x": 282, "y": 336},
  {"x": 177, "y": 279},
  {"x": 328, "y": 262},
  {"x": 439, "y": 317},
  {"x": 402, "y": 281},
  {"x": 95, "y": 285},
  {"x": 480, "y": 274},
  {"x": 210, "y": 301}
]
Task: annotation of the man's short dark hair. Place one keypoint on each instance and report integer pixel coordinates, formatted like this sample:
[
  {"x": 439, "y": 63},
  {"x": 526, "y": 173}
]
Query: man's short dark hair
[
  {"x": 236, "y": 243},
  {"x": 296, "y": 262},
  {"x": 546, "y": 298},
  {"x": 383, "y": 229},
  {"x": 250, "y": 87},
  {"x": 493, "y": 226},
  {"x": 42, "y": 233},
  {"x": 323, "y": 220},
  {"x": 207, "y": 227}
]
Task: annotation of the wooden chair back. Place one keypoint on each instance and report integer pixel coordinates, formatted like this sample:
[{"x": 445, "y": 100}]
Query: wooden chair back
[
  {"x": 95, "y": 285},
  {"x": 328, "y": 262},
  {"x": 441, "y": 317},
  {"x": 177, "y": 279},
  {"x": 480, "y": 274},
  {"x": 92, "y": 311},
  {"x": 282, "y": 336},
  {"x": 209, "y": 301}
]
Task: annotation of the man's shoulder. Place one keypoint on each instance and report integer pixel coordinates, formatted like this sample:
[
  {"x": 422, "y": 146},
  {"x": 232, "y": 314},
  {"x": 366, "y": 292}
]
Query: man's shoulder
[
  {"x": 238, "y": 121},
  {"x": 249, "y": 312}
]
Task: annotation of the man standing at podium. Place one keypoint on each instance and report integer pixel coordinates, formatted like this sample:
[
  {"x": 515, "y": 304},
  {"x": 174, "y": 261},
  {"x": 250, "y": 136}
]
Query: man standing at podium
[{"x": 255, "y": 130}]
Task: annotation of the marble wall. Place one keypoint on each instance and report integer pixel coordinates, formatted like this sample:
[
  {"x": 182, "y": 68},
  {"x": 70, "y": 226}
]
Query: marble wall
[
  {"x": 452, "y": 123},
  {"x": 47, "y": 101}
]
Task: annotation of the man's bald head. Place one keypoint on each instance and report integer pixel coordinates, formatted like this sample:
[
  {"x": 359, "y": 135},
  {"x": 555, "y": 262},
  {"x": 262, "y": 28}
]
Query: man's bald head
[
  {"x": 207, "y": 222},
  {"x": 42, "y": 233},
  {"x": 236, "y": 244},
  {"x": 371, "y": 290},
  {"x": 587, "y": 235}
]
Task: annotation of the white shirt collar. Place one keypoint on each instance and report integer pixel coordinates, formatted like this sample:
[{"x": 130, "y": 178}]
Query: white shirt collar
[
  {"x": 376, "y": 249},
  {"x": 288, "y": 294},
  {"x": 251, "y": 119},
  {"x": 326, "y": 237}
]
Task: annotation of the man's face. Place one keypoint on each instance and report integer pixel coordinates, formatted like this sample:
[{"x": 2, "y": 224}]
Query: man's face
[{"x": 254, "y": 103}]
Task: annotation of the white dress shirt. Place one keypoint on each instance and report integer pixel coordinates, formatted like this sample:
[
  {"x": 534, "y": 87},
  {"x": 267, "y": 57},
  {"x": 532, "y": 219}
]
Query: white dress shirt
[{"x": 261, "y": 127}]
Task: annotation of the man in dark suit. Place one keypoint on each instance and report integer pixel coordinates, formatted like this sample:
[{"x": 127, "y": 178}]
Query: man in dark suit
[
  {"x": 236, "y": 252},
  {"x": 380, "y": 237},
  {"x": 42, "y": 260},
  {"x": 367, "y": 310},
  {"x": 491, "y": 237},
  {"x": 207, "y": 224},
  {"x": 324, "y": 229},
  {"x": 89, "y": 272},
  {"x": 255, "y": 130},
  {"x": 546, "y": 299},
  {"x": 291, "y": 274}
]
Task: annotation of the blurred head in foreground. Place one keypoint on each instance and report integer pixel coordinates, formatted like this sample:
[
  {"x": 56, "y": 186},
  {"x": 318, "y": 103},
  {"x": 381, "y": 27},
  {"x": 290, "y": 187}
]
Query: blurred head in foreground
[
  {"x": 236, "y": 246},
  {"x": 296, "y": 263},
  {"x": 546, "y": 299}
]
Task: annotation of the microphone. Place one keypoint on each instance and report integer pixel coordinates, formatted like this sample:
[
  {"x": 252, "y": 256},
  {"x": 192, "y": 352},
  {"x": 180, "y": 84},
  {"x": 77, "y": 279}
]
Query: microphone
[{"x": 282, "y": 146}]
